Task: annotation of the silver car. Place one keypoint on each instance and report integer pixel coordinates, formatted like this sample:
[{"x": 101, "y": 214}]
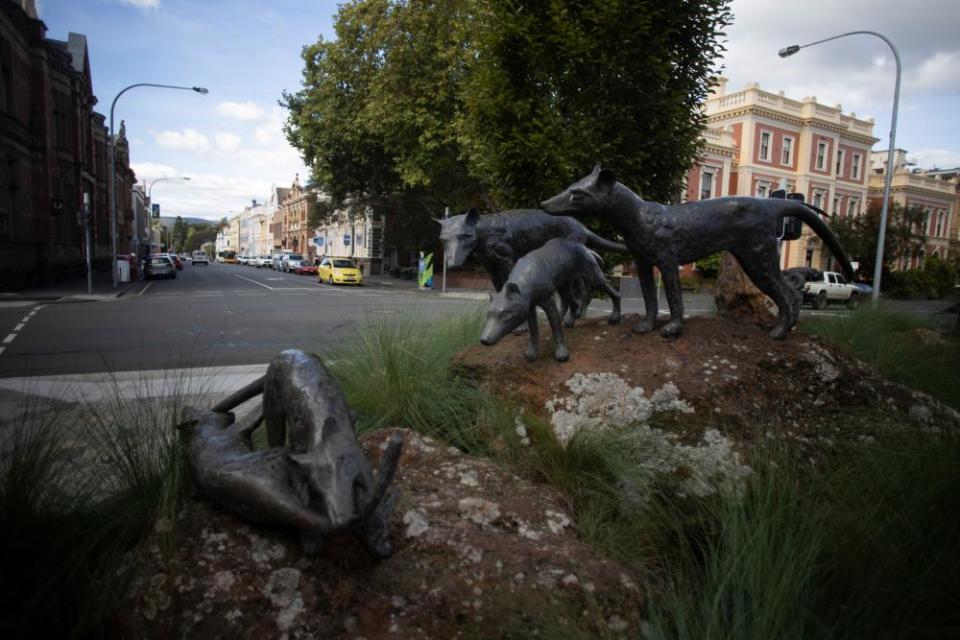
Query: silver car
[
  {"x": 159, "y": 266},
  {"x": 291, "y": 261}
]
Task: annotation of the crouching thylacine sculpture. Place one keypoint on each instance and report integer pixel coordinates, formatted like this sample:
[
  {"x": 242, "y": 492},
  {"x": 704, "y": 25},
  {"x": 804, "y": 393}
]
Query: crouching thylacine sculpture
[
  {"x": 532, "y": 283},
  {"x": 666, "y": 237},
  {"x": 314, "y": 477},
  {"x": 497, "y": 240}
]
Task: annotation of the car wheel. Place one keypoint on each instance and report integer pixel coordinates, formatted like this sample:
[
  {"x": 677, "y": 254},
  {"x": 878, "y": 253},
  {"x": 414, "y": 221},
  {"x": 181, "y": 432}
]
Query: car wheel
[
  {"x": 853, "y": 301},
  {"x": 820, "y": 302}
]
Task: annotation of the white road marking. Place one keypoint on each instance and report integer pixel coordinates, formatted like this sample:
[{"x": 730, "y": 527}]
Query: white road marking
[
  {"x": 9, "y": 338},
  {"x": 265, "y": 286},
  {"x": 19, "y": 326},
  {"x": 2, "y": 349},
  {"x": 26, "y": 318},
  {"x": 145, "y": 288}
]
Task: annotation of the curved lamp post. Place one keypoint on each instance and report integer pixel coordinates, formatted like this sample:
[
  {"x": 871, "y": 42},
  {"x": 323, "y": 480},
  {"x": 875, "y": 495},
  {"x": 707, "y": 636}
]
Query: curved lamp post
[
  {"x": 150, "y": 188},
  {"x": 113, "y": 167},
  {"x": 888, "y": 174}
]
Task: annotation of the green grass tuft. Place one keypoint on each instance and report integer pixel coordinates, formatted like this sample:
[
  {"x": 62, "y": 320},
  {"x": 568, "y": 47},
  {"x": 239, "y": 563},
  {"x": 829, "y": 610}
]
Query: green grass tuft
[{"x": 901, "y": 347}]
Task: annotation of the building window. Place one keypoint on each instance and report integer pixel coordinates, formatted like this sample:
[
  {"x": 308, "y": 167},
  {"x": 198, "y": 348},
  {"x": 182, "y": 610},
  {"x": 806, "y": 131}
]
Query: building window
[
  {"x": 818, "y": 198},
  {"x": 941, "y": 218},
  {"x": 920, "y": 257},
  {"x": 836, "y": 206},
  {"x": 787, "y": 151},
  {"x": 855, "y": 167},
  {"x": 839, "y": 162},
  {"x": 854, "y": 207},
  {"x": 821, "y": 155},
  {"x": 763, "y": 189},
  {"x": 765, "y": 146},
  {"x": 706, "y": 185}
]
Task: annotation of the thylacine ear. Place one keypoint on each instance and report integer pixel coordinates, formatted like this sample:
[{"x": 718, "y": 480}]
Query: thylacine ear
[
  {"x": 605, "y": 180},
  {"x": 439, "y": 221},
  {"x": 596, "y": 170},
  {"x": 473, "y": 216},
  {"x": 512, "y": 289}
]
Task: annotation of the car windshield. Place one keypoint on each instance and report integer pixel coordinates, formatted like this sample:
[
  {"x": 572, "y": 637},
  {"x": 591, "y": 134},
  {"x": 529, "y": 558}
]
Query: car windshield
[
  {"x": 344, "y": 264},
  {"x": 160, "y": 260},
  {"x": 294, "y": 256}
]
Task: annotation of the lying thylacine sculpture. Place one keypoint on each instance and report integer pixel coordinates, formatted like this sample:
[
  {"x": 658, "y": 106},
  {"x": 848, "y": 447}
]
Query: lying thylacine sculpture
[
  {"x": 314, "y": 477},
  {"x": 497, "y": 240},
  {"x": 666, "y": 237},
  {"x": 532, "y": 283}
]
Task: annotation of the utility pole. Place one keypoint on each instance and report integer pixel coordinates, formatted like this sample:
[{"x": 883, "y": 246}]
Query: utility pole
[
  {"x": 446, "y": 214},
  {"x": 85, "y": 217}
]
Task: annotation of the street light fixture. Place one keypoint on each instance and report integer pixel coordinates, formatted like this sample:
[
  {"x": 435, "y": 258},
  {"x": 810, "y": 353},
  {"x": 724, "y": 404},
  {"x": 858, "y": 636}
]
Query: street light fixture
[
  {"x": 150, "y": 188},
  {"x": 888, "y": 174},
  {"x": 111, "y": 146}
]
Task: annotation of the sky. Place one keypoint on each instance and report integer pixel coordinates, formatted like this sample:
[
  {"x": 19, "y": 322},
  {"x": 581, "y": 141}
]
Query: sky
[{"x": 230, "y": 142}]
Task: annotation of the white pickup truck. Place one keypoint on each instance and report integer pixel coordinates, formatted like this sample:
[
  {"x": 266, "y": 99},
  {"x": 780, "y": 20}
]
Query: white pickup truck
[{"x": 824, "y": 287}]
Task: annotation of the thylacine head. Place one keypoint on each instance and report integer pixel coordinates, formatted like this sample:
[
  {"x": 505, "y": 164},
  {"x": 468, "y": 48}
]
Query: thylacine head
[{"x": 459, "y": 236}]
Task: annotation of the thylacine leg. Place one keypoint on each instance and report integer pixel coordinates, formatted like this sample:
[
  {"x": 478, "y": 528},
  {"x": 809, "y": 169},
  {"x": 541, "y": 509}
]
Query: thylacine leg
[
  {"x": 560, "y": 352},
  {"x": 649, "y": 290},
  {"x": 671, "y": 286},
  {"x": 569, "y": 304},
  {"x": 533, "y": 348},
  {"x": 274, "y": 414},
  {"x": 764, "y": 271},
  {"x": 600, "y": 281}
]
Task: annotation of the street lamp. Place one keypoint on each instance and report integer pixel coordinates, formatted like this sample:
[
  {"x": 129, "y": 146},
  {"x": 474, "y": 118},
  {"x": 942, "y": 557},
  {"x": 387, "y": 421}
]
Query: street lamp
[
  {"x": 888, "y": 174},
  {"x": 150, "y": 188},
  {"x": 113, "y": 168}
]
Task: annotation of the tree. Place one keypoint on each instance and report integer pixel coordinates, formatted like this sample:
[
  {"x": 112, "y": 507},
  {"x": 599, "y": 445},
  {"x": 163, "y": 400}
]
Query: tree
[
  {"x": 179, "y": 235},
  {"x": 198, "y": 236},
  {"x": 858, "y": 235},
  {"x": 422, "y": 103}
]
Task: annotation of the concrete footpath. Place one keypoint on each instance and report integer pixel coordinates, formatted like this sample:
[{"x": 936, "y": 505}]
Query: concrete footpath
[{"x": 72, "y": 290}]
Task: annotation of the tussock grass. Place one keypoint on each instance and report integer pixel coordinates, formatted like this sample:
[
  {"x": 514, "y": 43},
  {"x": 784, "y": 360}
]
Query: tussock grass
[
  {"x": 80, "y": 487},
  {"x": 900, "y": 346},
  {"x": 397, "y": 372}
]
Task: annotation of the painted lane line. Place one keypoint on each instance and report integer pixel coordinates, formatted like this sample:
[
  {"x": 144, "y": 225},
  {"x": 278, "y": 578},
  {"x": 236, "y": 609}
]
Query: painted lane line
[
  {"x": 19, "y": 326},
  {"x": 145, "y": 288},
  {"x": 2, "y": 349},
  {"x": 254, "y": 282},
  {"x": 9, "y": 338},
  {"x": 25, "y": 318}
]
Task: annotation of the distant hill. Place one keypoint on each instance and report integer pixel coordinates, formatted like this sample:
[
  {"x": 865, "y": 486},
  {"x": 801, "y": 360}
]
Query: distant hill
[{"x": 168, "y": 221}]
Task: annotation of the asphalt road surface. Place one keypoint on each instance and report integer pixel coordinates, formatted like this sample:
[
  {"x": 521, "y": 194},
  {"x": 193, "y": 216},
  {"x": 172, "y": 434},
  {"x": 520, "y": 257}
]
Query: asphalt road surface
[
  {"x": 220, "y": 315},
  {"x": 208, "y": 316}
]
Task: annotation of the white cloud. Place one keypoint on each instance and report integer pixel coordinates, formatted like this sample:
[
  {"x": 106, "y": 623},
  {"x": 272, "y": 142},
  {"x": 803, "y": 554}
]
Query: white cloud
[
  {"x": 151, "y": 171},
  {"x": 143, "y": 4},
  {"x": 939, "y": 158},
  {"x": 938, "y": 73},
  {"x": 186, "y": 140},
  {"x": 228, "y": 142},
  {"x": 241, "y": 111}
]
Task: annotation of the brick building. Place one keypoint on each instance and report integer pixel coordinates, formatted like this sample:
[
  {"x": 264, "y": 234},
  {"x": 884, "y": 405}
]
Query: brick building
[
  {"x": 935, "y": 192},
  {"x": 296, "y": 236},
  {"x": 52, "y": 153},
  {"x": 757, "y": 142}
]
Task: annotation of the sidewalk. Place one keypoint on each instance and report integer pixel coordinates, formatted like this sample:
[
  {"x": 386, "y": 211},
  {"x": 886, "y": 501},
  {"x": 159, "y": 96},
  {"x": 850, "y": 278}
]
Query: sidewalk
[
  {"x": 399, "y": 284},
  {"x": 72, "y": 290}
]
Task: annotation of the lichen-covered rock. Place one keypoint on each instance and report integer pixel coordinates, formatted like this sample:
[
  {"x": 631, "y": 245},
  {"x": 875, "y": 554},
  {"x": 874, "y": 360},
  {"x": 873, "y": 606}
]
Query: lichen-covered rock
[
  {"x": 738, "y": 298},
  {"x": 480, "y": 552}
]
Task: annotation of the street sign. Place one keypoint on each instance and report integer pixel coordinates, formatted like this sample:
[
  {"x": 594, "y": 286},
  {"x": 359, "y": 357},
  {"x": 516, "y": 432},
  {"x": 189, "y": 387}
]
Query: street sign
[
  {"x": 155, "y": 210},
  {"x": 318, "y": 240},
  {"x": 346, "y": 239}
]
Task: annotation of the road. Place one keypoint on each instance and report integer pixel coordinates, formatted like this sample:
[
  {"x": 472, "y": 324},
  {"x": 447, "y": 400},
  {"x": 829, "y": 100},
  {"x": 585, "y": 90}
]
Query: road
[
  {"x": 222, "y": 315},
  {"x": 208, "y": 316}
]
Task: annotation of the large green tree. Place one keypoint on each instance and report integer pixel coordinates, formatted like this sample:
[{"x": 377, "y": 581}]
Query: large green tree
[{"x": 419, "y": 103}]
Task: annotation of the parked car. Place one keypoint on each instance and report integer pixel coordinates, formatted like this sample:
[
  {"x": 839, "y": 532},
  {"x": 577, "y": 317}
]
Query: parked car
[
  {"x": 291, "y": 261},
  {"x": 241, "y": 259},
  {"x": 177, "y": 263},
  {"x": 263, "y": 261},
  {"x": 824, "y": 287},
  {"x": 159, "y": 265},
  {"x": 339, "y": 271},
  {"x": 199, "y": 257},
  {"x": 276, "y": 261},
  {"x": 305, "y": 269}
]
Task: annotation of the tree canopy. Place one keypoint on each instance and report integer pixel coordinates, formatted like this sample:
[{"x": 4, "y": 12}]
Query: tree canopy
[
  {"x": 858, "y": 235},
  {"x": 422, "y": 103}
]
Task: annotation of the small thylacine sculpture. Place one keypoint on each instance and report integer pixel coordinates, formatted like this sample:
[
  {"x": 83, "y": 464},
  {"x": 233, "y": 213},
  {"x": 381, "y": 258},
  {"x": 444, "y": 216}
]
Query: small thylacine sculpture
[
  {"x": 497, "y": 240},
  {"x": 667, "y": 236},
  {"x": 314, "y": 477},
  {"x": 532, "y": 283}
]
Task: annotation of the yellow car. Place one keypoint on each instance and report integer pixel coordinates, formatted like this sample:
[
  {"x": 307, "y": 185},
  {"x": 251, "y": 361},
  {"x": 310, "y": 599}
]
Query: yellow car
[{"x": 339, "y": 271}]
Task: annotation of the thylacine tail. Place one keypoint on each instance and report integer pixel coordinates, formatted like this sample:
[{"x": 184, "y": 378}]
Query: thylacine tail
[
  {"x": 811, "y": 216},
  {"x": 596, "y": 242}
]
